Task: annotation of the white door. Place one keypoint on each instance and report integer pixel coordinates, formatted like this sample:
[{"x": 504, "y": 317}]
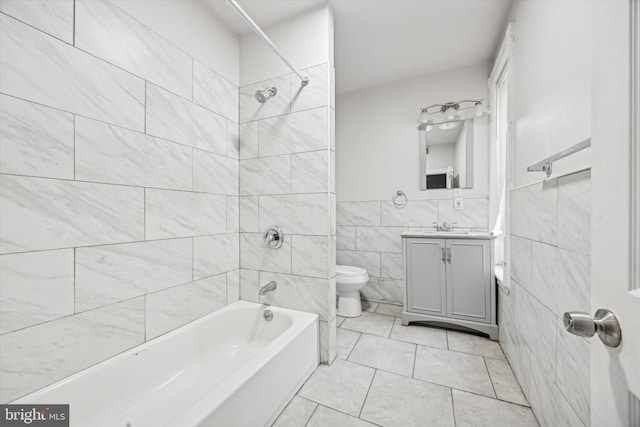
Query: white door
[{"x": 615, "y": 232}]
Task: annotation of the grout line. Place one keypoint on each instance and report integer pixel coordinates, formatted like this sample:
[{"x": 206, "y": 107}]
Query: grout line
[
  {"x": 493, "y": 387},
  {"x": 120, "y": 126},
  {"x": 354, "y": 345},
  {"x": 145, "y": 107},
  {"x": 39, "y": 29},
  {"x": 144, "y": 214},
  {"x": 75, "y": 275},
  {"x": 368, "y": 390},
  {"x": 415, "y": 359},
  {"x": 453, "y": 407},
  {"x": 74, "y": 147},
  {"x": 312, "y": 413}
]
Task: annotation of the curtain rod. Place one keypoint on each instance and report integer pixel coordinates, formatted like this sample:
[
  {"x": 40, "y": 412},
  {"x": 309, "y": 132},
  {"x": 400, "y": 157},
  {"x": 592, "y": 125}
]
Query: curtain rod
[{"x": 254, "y": 27}]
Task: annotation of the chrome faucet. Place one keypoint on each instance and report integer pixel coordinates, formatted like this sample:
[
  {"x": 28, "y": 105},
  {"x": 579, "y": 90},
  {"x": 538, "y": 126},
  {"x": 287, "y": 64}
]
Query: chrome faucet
[
  {"x": 445, "y": 226},
  {"x": 271, "y": 286}
]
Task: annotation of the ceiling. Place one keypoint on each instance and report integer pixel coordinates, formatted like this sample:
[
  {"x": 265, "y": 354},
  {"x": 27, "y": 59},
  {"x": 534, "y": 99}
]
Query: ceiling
[{"x": 382, "y": 41}]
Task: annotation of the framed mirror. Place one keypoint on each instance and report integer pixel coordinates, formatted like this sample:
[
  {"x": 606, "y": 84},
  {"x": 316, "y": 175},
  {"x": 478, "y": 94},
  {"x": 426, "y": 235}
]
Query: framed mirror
[{"x": 446, "y": 155}]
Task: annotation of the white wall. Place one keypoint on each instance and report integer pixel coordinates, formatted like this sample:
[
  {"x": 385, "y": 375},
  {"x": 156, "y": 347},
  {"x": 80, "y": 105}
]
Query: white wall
[
  {"x": 305, "y": 40},
  {"x": 194, "y": 28},
  {"x": 550, "y": 220},
  {"x": 553, "y": 84},
  {"x": 377, "y": 137}
]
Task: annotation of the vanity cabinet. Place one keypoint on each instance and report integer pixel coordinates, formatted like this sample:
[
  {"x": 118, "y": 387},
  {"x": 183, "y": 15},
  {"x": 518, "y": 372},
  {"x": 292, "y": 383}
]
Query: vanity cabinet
[{"x": 450, "y": 281}]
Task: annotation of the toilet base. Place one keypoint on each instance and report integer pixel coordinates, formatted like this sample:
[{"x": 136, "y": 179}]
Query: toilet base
[{"x": 349, "y": 304}]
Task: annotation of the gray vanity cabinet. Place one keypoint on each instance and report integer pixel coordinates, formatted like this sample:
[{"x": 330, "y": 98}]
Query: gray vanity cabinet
[{"x": 450, "y": 281}]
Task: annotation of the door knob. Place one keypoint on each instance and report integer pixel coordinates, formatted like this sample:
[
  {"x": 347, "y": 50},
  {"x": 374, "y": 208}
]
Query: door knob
[{"x": 604, "y": 323}]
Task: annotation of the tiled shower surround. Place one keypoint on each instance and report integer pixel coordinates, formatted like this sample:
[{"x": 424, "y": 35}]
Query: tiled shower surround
[
  {"x": 287, "y": 155},
  {"x": 119, "y": 183},
  {"x": 550, "y": 274},
  {"x": 368, "y": 236}
]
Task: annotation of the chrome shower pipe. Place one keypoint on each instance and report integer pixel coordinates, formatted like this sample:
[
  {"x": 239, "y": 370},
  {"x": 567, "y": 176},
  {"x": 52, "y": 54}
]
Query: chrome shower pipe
[{"x": 254, "y": 27}]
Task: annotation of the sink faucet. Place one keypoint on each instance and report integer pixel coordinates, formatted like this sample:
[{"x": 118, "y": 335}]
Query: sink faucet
[
  {"x": 271, "y": 286},
  {"x": 445, "y": 226}
]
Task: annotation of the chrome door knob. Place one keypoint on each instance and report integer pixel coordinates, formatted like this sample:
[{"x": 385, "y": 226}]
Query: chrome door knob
[{"x": 603, "y": 323}]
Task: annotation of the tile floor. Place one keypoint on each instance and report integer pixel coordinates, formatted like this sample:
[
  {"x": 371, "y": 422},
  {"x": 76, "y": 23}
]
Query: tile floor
[{"x": 386, "y": 374}]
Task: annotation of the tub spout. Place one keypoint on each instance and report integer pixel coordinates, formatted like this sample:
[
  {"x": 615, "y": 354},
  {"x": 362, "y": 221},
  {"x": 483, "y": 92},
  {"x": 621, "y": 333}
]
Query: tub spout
[{"x": 271, "y": 286}]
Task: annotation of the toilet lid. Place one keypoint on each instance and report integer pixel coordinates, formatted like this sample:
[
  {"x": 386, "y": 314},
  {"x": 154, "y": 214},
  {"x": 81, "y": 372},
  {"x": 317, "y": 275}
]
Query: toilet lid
[{"x": 348, "y": 270}]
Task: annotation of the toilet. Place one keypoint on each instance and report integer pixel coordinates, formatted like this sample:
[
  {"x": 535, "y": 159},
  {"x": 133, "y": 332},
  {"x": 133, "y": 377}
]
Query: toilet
[{"x": 349, "y": 281}]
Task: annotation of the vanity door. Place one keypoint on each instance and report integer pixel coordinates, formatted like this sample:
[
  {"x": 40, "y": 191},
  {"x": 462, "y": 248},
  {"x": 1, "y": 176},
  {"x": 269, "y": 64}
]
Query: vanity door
[
  {"x": 425, "y": 270},
  {"x": 469, "y": 279}
]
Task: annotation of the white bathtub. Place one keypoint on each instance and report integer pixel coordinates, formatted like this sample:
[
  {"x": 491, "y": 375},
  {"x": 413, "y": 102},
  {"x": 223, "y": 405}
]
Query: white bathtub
[{"x": 230, "y": 368}]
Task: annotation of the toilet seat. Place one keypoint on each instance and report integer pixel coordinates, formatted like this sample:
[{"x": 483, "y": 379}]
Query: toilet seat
[{"x": 347, "y": 274}]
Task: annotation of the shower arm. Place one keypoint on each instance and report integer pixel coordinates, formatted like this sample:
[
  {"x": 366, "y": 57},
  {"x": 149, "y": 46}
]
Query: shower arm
[{"x": 254, "y": 27}]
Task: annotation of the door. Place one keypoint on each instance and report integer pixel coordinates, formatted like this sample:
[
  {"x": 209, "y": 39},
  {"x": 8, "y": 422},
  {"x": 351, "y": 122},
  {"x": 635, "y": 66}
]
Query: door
[
  {"x": 426, "y": 276},
  {"x": 615, "y": 232},
  {"x": 469, "y": 279}
]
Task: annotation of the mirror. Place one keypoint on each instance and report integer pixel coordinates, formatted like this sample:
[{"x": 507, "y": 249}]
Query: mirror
[{"x": 446, "y": 155}]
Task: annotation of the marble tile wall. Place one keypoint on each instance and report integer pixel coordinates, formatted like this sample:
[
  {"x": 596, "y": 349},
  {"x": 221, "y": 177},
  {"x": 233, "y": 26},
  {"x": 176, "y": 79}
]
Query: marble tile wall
[
  {"x": 119, "y": 189},
  {"x": 550, "y": 274},
  {"x": 286, "y": 179},
  {"x": 368, "y": 236}
]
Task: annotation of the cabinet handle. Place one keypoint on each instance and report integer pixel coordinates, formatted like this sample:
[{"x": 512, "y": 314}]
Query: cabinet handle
[
  {"x": 443, "y": 256},
  {"x": 449, "y": 255}
]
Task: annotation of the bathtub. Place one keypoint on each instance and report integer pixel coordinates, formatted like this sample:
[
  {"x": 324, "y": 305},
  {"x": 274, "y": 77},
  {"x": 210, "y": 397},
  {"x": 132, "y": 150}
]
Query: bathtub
[{"x": 229, "y": 368}]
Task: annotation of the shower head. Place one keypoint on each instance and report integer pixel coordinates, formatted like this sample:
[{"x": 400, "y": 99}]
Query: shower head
[{"x": 263, "y": 95}]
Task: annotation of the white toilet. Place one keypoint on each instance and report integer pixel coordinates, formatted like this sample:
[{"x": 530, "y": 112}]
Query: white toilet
[{"x": 349, "y": 281}]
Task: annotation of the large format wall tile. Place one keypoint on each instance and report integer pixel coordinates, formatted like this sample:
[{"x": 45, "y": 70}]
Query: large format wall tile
[
  {"x": 384, "y": 290},
  {"x": 297, "y": 214},
  {"x": 379, "y": 239},
  {"x": 534, "y": 212},
  {"x": 215, "y": 254},
  {"x": 108, "y": 33},
  {"x": 174, "y": 307},
  {"x": 37, "y": 214},
  {"x": 214, "y": 174},
  {"x": 233, "y": 214},
  {"x": 35, "y": 287},
  {"x": 574, "y": 212},
  {"x": 417, "y": 213},
  {"x": 297, "y": 292},
  {"x": 358, "y": 213},
  {"x": 270, "y": 175},
  {"x": 54, "y": 17},
  {"x": 107, "y": 274},
  {"x": 294, "y": 133},
  {"x": 233, "y": 140},
  {"x": 309, "y": 255},
  {"x": 561, "y": 278},
  {"x": 233, "y": 286},
  {"x": 255, "y": 256},
  {"x": 251, "y": 109},
  {"x": 37, "y": 67},
  {"x": 249, "y": 214},
  {"x": 573, "y": 371},
  {"x": 538, "y": 325},
  {"x": 346, "y": 238},
  {"x": 310, "y": 172},
  {"x": 213, "y": 91},
  {"x": 370, "y": 261},
  {"x": 36, "y": 140},
  {"x": 313, "y": 95},
  {"x": 106, "y": 153},
  {"x": 521, "y": 261},
  {"x": 474, "y": 215},
  {"x": 548, "y": 403},
  {"x": 392, "y": 266},
  {"x": 249, "y": 140},
  {"x": 181, "y": 214},
  {"x": 34, "y": 357},
  {"x": 174, "y": 118}
]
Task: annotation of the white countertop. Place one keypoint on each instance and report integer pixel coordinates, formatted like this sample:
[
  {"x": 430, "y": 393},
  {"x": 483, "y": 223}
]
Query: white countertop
[{"x": 482, "y": 235}]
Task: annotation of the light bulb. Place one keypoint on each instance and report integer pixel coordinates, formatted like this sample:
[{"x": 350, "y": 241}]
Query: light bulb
[
  {"x": 451, "y": 114},
  {"x": 424, "y": 117},
  {"x": 449, "y": 125},
  {"x": 479, "y": 110}
]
